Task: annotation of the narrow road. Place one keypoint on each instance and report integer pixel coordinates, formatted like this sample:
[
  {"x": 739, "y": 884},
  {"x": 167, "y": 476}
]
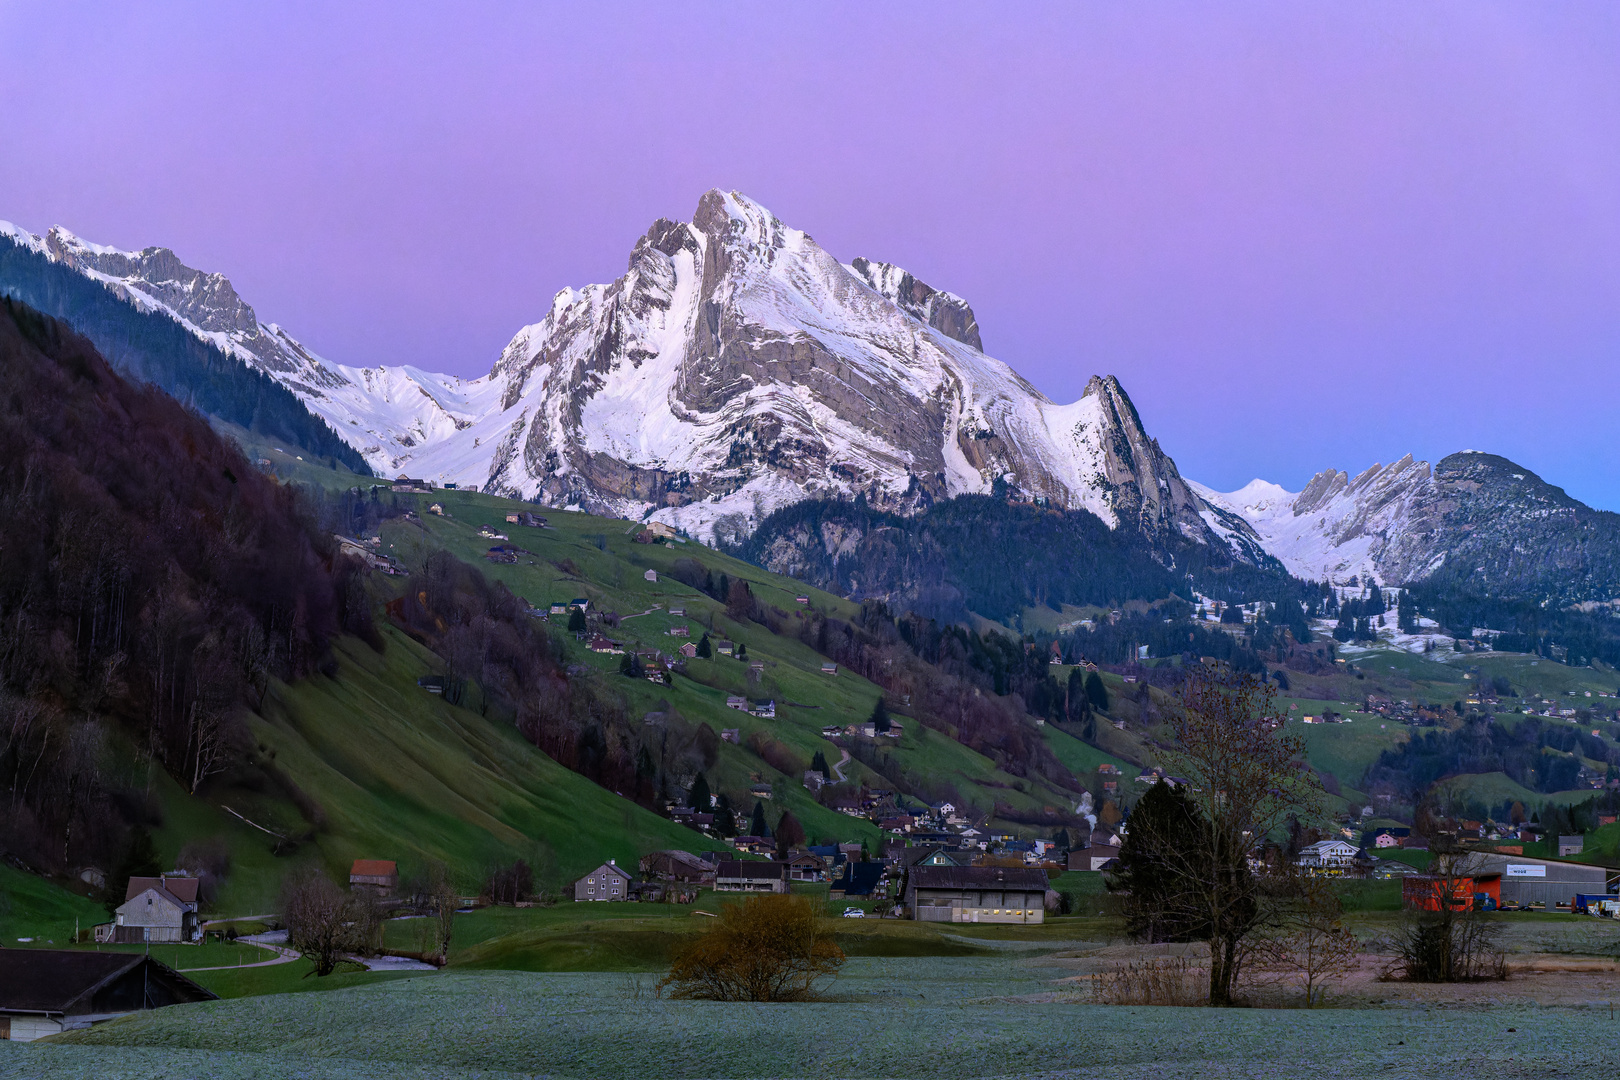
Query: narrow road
[
  {"x": 283, "y": 956},
  {"x": 838, "y": 769}
]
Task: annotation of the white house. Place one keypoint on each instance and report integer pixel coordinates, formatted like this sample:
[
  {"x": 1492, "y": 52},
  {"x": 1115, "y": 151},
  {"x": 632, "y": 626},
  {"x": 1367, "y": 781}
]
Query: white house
[{"x": 1328, "y": 854}]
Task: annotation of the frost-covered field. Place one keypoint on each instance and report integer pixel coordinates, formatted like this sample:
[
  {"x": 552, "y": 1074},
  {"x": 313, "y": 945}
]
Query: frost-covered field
[{"x": 935, "y": 1018}]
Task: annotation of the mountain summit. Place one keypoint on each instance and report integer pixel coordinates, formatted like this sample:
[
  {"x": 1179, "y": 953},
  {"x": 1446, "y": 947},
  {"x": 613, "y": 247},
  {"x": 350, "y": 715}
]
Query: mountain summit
[{"x": 735, "y": 368}]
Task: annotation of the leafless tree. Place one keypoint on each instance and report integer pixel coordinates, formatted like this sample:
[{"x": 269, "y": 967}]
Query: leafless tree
[
  {"x": 1446, "y": 938},
  {"x": 1308, "y": 943},
  {"x": 323, "y": 922},
  {"x": 1244, "y": 773},
  {"x": 767, "y": 948}
]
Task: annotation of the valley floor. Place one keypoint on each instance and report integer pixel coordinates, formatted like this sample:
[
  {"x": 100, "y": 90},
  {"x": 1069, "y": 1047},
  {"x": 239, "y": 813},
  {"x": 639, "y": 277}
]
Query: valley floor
[{"x": 1019, "y": 1007}]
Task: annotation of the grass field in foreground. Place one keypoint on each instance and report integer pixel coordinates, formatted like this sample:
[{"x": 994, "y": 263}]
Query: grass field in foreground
[{"x": 926, "y": 1018}]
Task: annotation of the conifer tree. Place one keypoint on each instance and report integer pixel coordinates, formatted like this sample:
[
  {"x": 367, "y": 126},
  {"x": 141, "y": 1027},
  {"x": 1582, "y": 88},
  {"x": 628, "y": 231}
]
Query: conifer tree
[
  {"x": 757, "y": 827},
  {"x": 576, "y": 621},
  {"x": 704, "y": 649},
  {"x": 699, "y": 796},
  {"x": 880, "y": 717}
]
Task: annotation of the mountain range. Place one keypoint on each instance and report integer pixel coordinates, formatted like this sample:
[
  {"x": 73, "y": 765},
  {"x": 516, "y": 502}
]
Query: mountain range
[{"x": 737, "y": 368}]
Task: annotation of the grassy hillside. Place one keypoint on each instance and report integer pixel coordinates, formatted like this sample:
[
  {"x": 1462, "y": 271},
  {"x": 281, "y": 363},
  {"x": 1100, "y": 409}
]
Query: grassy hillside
[{"x": 393, "y": 772}]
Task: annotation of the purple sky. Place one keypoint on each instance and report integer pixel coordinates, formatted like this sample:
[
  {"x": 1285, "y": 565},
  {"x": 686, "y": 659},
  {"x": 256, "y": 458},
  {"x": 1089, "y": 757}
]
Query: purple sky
[{"x": 1303, "y": 238}]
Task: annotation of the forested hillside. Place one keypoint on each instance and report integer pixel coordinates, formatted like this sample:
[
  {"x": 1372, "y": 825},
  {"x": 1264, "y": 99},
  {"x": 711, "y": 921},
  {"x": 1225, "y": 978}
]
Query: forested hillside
[
  {"x": 995, "y": 558},
  {"x": 151, "y": 347},
  {"x": 151, "y": 582}
]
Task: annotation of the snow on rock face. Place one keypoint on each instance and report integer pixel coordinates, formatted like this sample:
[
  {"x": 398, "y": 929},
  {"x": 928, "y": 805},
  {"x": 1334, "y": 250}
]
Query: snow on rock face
[
  {"x": 385, "y": 413},
  {"x": 735, "y": 368},
  {"x": 1382, "y": 522}
]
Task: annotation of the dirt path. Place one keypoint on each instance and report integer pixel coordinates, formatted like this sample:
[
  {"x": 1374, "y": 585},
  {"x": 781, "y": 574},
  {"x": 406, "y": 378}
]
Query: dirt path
[{"x": 838, "y": 769}]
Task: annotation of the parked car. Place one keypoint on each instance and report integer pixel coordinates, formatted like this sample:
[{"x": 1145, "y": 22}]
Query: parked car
[{"x": 854, "y": 913}]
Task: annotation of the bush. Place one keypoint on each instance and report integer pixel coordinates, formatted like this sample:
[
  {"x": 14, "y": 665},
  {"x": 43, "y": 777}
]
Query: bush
[{"x": 767, "y": 948}]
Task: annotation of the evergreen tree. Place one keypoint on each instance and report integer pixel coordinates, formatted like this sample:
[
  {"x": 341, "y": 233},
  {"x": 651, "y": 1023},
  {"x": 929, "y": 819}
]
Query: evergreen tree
[
  {"x": 698, "y": 798},
  {"x": 880, "y": 717},
  {"x": 757, "y": 826},
  {"x": 704, "y": 649},
  {"x": 1166, "y": 828},
  {"x": 576, "y": 620},
  {"x": 819, "y": 764},
  {"x": 725, "y": 820},
  {"x": 1097, "y": 692},
  {"x": 1075, "y": 701},
  {"x": 742, "y": 651}
]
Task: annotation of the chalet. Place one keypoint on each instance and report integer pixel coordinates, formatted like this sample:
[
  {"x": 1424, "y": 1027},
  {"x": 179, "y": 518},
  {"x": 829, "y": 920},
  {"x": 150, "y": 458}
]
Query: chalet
[
  {"x": 158, "y": 909},
  {"x": 580, "y": 602},
  {"x": 740, "y": 876},
  {"x": 897, "y": 823},
  {"x": 760, "y": 791},
  {"x": 650, "y": 575},
  {"x": 765, "y": 709},
  {"x": 660, "y": 530},
  {"x": 688, "y": 650},
  {"x": 933, "y": 855},
  {"x": 831, "y": 731},
  {"x": 511, "y": 519},
  {"x": 47, "y": 991},
  {"x": 680, "y": 866},
  {"x": 737, "y": 702},
  {"x": 829, "y": 669},
  {"x": 677, "y": 613},
  {"x": 858, "y": 879},
  {"x": 406, "y": 485},
  {"x": 971, "y": 894},
  {"x": 558, "y": 608},
  {"x": 379, "y": 875},
  {"x": 433, "y": 684},
  {"x": 731, "y": 735},
  {"x": 847, "y": 804},
  {"x": 753, "y": 845},
  {"x": 700, "y": 820},
  {"x": 802, "y": 599},
  {"x": 829, "y": 854},
  {"x": 600, "y": 644},
  {"x": 805, "y": 866},
  {"x": 436, "y": 509},
  {"x": 680, "y": 631},
  {"x": 725, "y": 648},
  {"x": 813, "y": 780},
  {"x": 606, "y": 882}
]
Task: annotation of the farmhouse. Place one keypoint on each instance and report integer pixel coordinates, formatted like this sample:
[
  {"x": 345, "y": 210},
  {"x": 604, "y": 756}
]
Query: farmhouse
[
  {"x": 971, "y": 894},
  {"x": 158, "y": 909},
  {"x": 738, "y": 876},
  {"x": 606, "y": 882},
  {"x": 379, "y": 875},
  {"x": 806, "y": 866},
  {"x": 46, "y": 991},
  {"x": 680, "y": 866}
]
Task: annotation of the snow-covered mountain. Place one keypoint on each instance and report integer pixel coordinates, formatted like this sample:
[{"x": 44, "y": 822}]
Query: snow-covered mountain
[
  {"x": 1379, "y": 522},
  {"x": 1475, "y": 522},
  {"x": 386, "y": 413},
  {"x": 735, "y": 368}
]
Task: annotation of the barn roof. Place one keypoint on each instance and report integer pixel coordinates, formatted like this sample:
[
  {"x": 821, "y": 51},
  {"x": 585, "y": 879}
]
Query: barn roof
[
  {"x": 374, "y": 868},
  {"x": 977, "y": 877},
  {"x": 67, "y": 982}
]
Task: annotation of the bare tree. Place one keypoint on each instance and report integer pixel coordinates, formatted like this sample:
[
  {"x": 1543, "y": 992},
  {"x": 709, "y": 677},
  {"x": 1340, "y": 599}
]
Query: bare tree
[
  {"x": 1243, "y": 773},
  {"x": 1444, "y": 937},
  {"x": 321, "y": 919},
  {"x": 1309, "y": 944}
]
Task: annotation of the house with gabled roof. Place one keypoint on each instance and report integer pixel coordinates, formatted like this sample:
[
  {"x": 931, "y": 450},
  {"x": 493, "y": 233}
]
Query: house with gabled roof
[{"x": 162, "y": 908}]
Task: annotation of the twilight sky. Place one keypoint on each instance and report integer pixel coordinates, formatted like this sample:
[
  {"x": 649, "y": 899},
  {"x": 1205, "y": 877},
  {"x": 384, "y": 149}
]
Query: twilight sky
[{"x": 1303, "y": 235}]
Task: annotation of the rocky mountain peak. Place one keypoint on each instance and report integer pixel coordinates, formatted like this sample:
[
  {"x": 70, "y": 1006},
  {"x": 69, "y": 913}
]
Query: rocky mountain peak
[{"x": 945, "y": 312}]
